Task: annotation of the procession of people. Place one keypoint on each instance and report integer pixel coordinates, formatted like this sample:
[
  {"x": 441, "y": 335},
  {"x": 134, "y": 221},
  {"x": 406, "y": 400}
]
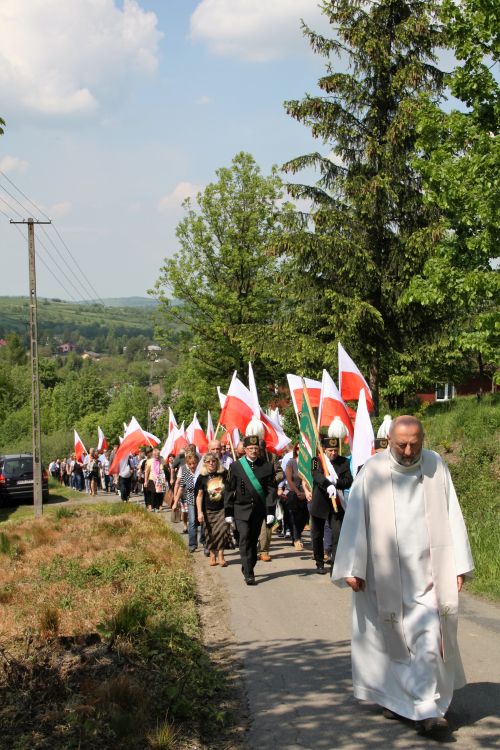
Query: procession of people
[{"x": 383, "y": 520}]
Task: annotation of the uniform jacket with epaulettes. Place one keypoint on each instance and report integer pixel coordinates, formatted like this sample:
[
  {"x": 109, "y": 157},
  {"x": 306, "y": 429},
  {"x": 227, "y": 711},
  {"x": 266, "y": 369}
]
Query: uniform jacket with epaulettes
[{"x": 321, "y": 504}]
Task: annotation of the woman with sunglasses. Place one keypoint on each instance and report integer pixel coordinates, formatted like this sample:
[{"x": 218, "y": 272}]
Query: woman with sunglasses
[{"x": 209, "y": 493}]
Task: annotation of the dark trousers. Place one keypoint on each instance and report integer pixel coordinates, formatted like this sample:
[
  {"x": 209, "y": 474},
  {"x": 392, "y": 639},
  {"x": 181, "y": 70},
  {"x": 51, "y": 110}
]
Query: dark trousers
[
  {"x": 317, "y": 532},
  {"x": 299, "y": 515},
  {"x": 249, "y": 531},
  {"x": 125, "y": 484}
]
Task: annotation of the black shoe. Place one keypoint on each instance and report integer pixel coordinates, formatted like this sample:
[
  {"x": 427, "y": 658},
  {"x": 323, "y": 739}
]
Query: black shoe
[
  {"x": 321, "y": 571},
  {"x": 250, "y": 581},
  {"x": 206, "y": 552}
]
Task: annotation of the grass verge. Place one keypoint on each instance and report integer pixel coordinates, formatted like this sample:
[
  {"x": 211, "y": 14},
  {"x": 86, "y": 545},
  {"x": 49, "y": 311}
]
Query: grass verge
[
  {"x": 101, "y": 644},
  {"x": 467, "y": 434}
]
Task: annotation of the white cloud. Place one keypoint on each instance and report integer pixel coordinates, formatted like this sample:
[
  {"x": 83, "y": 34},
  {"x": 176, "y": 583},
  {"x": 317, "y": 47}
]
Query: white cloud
[
  {"x": 13, "y": 164},
  {"x": 255, "y": 30},
  {"x": 59, "y": 57},
  {"x": 173, "y": 201},
  {"x": 60, "y": 209},
  {"x": 204, "y": 99}
]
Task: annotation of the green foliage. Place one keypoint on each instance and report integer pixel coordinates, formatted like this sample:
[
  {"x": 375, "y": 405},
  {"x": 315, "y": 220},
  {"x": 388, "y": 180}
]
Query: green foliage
[
  {"x": 459, "y": 161},
  {"x": 2, "y": 126},
  {"x": 88, "y": 327},
  {"x": 224, "y": 280}
]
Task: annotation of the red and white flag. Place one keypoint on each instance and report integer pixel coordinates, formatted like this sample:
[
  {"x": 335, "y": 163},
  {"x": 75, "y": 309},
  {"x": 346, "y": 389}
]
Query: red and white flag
[
  {"x": 210, "y": 433},
  {"x": 180, "y": 440},
  {"x": 363, "y": 442},
  {"x": 102, "y": 443},
  {"x": 237, "y": 410},
  {"x": 171, "y": 420},
  {"x": 133, "y": 439},
  {"x": 296, "y": 392},
  {"x": 195, "y": 435},
  {"x": 222, "y": 397},
  {"x": 351, "y": 380},
  {"x": 274, "y": 436},
  {"x": 79, "y": 449},
  {"x": 331, "y": 405}
]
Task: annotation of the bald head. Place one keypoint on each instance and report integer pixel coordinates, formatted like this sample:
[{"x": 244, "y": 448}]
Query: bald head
[{"x": 406, "y": 437}]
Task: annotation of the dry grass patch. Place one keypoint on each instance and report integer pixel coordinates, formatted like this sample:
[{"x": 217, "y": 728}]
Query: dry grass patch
[{"x": 100, "y": 634}]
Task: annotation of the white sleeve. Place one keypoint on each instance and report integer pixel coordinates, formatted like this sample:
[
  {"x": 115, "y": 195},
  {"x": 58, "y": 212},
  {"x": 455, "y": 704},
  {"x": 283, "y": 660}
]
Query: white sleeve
[
  {"x": 463, "y": 557},
  {"x": 352, "y": 550}
]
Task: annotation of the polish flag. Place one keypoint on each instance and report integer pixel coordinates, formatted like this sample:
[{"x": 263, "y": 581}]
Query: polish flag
[
  {"x": 296, "y": 392},
  {"x": 210, "y": 433},
  {"x": 351, "y": 380},
  {"x": 237, "y": 410},
  {"x": 102, "y": 443},
  {"x": 171, "y": 420},
  {"x": 79, "y": 449},
  {"x": 175, "y": 442},
  {"x": 331, "y": 405},
  {"x": 180, "y": 440},
  {"x": 363, "y": 442},
  {"x": 134, "y": 437},
  {"x": 221, "y": 396},
  {"x": 195, "y": 435},
  {"x": 236, "y": 437},
  {"x": 274, "y": 436}
]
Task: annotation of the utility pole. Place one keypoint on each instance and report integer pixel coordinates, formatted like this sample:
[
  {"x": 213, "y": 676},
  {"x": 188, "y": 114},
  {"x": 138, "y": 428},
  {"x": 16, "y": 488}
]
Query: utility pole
[{"x": 35, "y": 382}]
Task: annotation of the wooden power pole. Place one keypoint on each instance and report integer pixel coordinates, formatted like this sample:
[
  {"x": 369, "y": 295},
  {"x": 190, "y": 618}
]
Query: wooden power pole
[{"x": 35, "y": 382}]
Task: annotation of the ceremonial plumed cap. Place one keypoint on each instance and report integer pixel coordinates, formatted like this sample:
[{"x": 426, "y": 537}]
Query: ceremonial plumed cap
[
  {"x": 381, "y": 444},
  {"x": 330, "y": 442},
  {"x": 250, "y": 440}
]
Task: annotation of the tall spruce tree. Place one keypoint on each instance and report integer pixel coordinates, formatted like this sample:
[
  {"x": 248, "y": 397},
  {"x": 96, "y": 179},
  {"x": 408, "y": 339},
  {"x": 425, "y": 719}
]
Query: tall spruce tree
[{"x": 355, "y": 257}]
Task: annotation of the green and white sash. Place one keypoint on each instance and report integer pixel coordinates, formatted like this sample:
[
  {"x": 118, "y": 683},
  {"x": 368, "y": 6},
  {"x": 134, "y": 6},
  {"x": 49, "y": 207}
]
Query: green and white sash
[{"x": 252, "y": 478}]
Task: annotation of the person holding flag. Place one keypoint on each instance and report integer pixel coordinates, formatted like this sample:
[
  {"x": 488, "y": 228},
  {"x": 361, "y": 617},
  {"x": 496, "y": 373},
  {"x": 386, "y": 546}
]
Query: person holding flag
[{"x": 324, "y": 489}]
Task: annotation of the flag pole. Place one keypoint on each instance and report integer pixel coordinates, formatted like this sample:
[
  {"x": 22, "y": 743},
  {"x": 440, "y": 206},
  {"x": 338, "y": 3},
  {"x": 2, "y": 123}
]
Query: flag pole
[
  {"x": 231, "y": 444},
  {"x": 305, "y": 395}
]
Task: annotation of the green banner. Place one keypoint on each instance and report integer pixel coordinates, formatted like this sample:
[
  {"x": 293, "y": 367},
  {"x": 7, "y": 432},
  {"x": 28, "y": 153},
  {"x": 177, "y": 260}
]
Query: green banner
[{"x": 308, "y": 441}]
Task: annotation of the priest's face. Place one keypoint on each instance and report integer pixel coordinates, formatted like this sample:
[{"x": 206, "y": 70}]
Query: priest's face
[{"x": 405, "y": 442}]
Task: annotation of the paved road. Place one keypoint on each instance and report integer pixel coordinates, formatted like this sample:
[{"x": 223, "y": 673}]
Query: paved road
[{"x": 292, "y": 632}]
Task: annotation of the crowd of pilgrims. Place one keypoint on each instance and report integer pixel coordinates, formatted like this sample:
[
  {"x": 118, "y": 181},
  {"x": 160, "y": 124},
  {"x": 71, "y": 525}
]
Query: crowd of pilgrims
[{"x": 195, "y": 489}]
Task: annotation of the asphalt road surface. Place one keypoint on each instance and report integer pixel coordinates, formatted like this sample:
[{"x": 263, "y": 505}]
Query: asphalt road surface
[{"x": 292, "y": 635}]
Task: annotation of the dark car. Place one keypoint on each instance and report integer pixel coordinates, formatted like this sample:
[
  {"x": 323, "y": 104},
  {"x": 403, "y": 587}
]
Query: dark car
[{"x": 16, "y": 479}]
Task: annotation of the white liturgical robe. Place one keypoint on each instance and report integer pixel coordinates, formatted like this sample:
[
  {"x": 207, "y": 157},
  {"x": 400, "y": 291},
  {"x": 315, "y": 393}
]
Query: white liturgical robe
[{"x": 404, "y": 534}]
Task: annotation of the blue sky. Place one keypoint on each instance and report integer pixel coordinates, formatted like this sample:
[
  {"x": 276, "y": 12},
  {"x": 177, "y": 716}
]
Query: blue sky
[{"x": 116, "y": 111}]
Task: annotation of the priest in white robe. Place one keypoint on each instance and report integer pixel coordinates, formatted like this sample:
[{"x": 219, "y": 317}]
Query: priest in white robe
[{"x": 404, "y": 551}]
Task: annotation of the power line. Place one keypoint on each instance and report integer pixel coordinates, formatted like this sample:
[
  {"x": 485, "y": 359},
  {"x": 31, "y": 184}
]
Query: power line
[
  {"x": 93, "y": 292},
  {"x": 97, "y": 296},
  {"x": 45, "y": 264},
  {"x": 14, "y": 211},
  {"x": 24, "y": 196},
  {"x": 64, "y": 259}
]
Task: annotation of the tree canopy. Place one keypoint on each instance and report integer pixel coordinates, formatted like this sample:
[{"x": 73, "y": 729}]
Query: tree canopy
[{"x": 223, "y": 285}]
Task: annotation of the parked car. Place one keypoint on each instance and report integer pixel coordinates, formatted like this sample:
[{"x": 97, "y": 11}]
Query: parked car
[{"x": 16, "y": 479}]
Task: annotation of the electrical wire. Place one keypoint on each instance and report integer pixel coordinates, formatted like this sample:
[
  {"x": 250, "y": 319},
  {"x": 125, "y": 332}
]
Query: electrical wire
[
  {"x": 96, "y": 296},
  {"x": 40, "y": 258}
]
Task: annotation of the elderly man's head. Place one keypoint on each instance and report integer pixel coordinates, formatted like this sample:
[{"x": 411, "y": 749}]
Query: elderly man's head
[
  {"x": 215, "y": 446},
  {"x": 406, "y": 437}
]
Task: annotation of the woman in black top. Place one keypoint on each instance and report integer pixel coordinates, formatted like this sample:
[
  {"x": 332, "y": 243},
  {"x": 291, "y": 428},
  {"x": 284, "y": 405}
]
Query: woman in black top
[{"x": 209, "y": 494}]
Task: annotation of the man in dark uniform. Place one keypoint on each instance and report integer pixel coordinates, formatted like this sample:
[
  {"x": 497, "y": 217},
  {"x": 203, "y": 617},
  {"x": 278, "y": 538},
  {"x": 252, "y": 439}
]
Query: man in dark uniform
[
  {"x": 250, "y": 499},
  {"x": 324, "y": 489}
]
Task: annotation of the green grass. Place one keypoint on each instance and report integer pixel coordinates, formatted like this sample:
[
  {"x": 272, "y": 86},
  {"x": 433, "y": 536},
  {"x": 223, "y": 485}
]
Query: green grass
[{"x": 467, "y": 434}]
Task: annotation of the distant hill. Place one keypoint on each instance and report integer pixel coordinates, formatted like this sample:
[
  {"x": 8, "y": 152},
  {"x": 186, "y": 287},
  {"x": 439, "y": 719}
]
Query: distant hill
[
  {"x": 123, "y": 302},
  {"x": 88, "y": 326}
]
